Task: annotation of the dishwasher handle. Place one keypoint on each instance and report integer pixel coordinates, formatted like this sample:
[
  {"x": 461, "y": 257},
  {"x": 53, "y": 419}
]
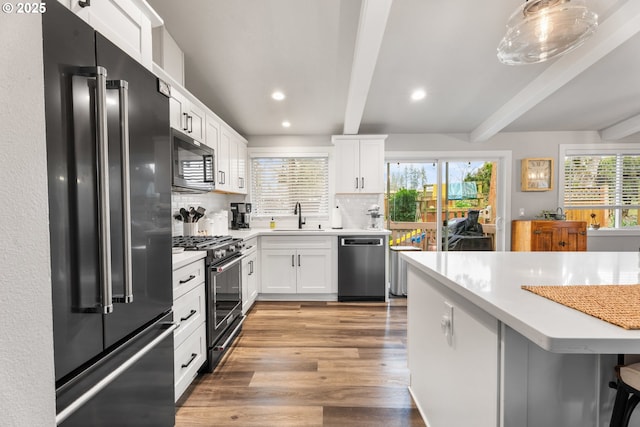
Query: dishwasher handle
[{"x": 361, "y": 241}]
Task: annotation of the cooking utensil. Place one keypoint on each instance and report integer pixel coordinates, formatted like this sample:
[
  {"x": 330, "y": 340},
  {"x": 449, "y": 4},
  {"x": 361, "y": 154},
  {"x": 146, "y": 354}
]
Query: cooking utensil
[
  {"x": 185, "y": 214},
  {"x": 178, "y": 217}
]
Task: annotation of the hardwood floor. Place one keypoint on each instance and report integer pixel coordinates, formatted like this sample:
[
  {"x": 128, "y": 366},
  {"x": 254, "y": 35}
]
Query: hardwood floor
[{"x": 310, "y": 364}]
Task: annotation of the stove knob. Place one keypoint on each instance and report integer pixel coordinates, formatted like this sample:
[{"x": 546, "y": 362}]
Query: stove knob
[
  {"x": 231, "y": 248},
  {"x": 218, "y": 254},
  {"x": 223, "y": 252}
]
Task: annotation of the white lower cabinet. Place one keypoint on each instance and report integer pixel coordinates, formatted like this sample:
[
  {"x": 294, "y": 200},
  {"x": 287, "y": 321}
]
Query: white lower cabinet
[
  {"x": 189, "y": 311},
  {"x": 296, "y": 265},
  {"x": 249, "y": 275},
  {"x": 453, "y": 354}
]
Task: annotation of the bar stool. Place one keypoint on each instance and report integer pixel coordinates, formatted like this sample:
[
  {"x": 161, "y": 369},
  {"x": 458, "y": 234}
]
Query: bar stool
[{"x": 627, "y": 395}]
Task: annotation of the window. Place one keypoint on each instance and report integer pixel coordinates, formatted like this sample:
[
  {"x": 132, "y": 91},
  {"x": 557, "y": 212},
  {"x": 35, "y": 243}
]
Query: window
[
  {"x": 602, "y": 187},
  {"x": 277, "y": 183}
]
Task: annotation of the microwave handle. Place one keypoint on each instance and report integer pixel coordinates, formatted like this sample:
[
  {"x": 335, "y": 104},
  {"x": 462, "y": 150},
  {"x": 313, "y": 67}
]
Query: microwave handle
[{"x": 208, "y": 159}]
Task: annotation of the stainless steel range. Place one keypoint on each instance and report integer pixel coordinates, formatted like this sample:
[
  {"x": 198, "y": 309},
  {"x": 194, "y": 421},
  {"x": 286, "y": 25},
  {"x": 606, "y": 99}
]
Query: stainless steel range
[{"x": 223, "y": 290}]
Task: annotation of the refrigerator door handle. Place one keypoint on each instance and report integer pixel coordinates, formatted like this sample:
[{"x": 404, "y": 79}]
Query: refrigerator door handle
[
  {"x": 122, "y": 86},
  {"x": 100, "y": 385},
  {"x": 102, "y": 140}
]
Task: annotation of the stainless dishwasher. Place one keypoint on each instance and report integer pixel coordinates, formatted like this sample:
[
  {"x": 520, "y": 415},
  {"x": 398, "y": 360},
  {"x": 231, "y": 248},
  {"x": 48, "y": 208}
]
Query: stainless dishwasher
[{"x": 361, "y": 268}]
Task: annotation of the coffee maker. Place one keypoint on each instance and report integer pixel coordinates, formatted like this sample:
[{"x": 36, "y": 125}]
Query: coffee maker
[{"x": 240, "y": 215}]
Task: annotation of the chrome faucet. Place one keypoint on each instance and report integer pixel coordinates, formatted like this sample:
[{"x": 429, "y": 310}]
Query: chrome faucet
[{"x": 298, "y": 211}]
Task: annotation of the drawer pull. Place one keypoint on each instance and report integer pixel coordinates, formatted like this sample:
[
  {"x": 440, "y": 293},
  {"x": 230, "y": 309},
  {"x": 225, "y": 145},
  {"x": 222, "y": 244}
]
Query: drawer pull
[
  {"x": 187, "y": 280},
  {"x": 193, "y": 357},
  {"x": 191, "y": 313}
]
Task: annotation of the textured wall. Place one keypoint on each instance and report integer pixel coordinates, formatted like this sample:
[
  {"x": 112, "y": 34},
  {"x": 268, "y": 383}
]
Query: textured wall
[{"x": 27, "y": 390}]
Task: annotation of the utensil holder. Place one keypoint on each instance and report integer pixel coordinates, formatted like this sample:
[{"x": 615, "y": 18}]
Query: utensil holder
[{"x": 190, "y": 228}]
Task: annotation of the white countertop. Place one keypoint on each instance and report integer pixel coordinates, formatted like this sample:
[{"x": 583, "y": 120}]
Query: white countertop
[
  {"x": 492, "y": 280},
  {"x": 254, "y": 232},
  {"x": 186, "y": 257}
]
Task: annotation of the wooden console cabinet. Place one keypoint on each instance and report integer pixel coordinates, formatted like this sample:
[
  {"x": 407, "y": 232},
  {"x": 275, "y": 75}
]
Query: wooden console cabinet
[{"x": 548, "y": 235}]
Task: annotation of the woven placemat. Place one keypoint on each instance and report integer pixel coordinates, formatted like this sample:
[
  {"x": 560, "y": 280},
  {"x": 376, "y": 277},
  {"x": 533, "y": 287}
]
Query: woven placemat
[{"x": 616, "y": 304}]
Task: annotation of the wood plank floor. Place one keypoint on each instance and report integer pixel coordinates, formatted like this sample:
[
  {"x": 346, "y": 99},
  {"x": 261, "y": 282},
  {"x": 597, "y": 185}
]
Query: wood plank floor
[{"x": 310, "y": 364}]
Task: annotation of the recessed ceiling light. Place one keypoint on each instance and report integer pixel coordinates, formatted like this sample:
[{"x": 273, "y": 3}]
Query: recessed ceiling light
[
  {"x": 286, "y": 124},
  {"x": 418, "y": 94},
  {"x": 278, "y": 96}
]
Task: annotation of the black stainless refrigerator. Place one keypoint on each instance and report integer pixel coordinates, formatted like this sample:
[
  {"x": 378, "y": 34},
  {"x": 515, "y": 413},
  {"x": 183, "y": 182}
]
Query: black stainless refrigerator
[{"x": 108, "y": 156}]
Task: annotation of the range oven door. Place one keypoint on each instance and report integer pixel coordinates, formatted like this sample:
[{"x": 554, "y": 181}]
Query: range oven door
[{"x": 224, "y": 297}]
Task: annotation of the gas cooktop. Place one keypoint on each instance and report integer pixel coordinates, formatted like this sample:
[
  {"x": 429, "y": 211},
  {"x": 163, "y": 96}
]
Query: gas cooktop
[{"x": 202, "y": 243}]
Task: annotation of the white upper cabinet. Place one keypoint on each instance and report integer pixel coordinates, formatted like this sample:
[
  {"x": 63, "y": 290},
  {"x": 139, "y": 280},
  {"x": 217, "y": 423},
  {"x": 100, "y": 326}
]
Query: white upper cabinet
[
  {"x": 359, "y": 163},
  {"x": 242, "y": 166},
  {"x": 186, "y": 115},
  {"x": 224, "y": 161},
  {"x": 126, "y": 23},
  {"x": 231, "y": 158}
]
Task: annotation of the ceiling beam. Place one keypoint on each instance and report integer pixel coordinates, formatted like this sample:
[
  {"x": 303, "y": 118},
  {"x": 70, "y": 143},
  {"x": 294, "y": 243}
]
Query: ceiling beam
[
  {"x": 371, "y": 27},
  {"x": 617, "y": 29},
  {"x": 621, "y": 130}
]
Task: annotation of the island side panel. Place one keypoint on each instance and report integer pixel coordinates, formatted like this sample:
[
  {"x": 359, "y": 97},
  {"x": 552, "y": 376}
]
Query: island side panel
[
  {"x": 541, "y": 388},
  {"x": 454, "y": 377}
]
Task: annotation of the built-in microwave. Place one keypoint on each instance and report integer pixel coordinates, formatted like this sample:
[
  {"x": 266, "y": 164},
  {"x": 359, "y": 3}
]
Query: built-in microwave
[{"x": 192, "y": 164}]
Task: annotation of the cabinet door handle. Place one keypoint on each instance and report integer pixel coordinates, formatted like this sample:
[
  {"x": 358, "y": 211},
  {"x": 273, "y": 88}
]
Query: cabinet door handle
[
  {"x": 190, "y": 121},
  {"x": 298, "y": 260},
  {"x": 537, "y": 232},
  {"x": 563, "y": 244},
  {"x": 362, "y": 185},
  {"x": 250, "y": 267},
  {"x": 186, "y": 121},
  {"x": 583, "y": 233},
  {"x": 84, "y": 3},
  {"x": 224, "y": 177},
  {"x": 356, "y": 182},
  {"x": 293, "y": 260},
  {"x": 189, "y": 316},
  {"x": 193, "y": 357},
  {"x": 187, "y": 280}
]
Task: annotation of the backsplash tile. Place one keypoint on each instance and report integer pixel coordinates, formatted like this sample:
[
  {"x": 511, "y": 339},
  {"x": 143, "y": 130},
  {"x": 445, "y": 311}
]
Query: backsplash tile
[
  {"x": 354, "y": 208},
  {"x": 212, "y": 202}
]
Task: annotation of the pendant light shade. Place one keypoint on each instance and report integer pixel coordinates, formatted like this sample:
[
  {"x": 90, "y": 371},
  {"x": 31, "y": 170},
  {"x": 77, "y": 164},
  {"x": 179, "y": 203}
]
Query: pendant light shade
[{"x": 543, "y": 29}]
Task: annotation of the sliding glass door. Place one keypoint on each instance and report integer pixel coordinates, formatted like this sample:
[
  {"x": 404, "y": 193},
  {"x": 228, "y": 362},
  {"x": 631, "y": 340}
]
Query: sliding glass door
[{"x": 445, "y": 204}]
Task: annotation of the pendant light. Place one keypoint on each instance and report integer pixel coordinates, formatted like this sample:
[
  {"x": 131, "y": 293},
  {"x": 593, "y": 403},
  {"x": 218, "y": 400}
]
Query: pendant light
[{"x": 543, "y": 29}]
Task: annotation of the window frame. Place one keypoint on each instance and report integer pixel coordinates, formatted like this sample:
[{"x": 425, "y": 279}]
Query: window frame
[
  {"x": 596, "y": 150},
  {"x": 293, "y": 152}
]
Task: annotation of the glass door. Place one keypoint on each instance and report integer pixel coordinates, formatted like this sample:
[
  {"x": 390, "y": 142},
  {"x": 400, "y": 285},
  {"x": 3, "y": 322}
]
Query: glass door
[{"x": 443, "y": 204}]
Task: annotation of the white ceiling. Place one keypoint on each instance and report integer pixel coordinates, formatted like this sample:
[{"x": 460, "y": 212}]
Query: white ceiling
[{"x": 238, "y": 52}]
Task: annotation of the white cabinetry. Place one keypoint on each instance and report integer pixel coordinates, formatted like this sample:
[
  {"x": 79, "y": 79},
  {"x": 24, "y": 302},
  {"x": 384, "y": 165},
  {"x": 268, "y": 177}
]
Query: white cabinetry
[
  {"x": 186, "y": 115},
  {"x": 445, "y": 330},
  {"x": 125, "y": 23},
  {"x": 296, "y": 265},
  {"x": 232, "y": 162},
  {"x": 242, "y": 166},
  {"x": 249, "y": 275},
  {"x": 189, "y": 307},
  {"x": 359, "y": 163}
]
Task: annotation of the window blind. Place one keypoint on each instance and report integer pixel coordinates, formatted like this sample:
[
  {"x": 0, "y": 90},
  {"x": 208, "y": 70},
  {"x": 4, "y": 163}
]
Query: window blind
[
  {"x": 597, "y": 181},
  {"x": 277, "y": 183}
]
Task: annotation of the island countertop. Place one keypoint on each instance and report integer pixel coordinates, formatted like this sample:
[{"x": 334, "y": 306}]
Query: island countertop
[{"x": 493, "y": 280}]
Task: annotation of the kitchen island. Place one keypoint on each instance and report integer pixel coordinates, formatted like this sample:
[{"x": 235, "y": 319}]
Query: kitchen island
[{"x": 484, "y": 352}]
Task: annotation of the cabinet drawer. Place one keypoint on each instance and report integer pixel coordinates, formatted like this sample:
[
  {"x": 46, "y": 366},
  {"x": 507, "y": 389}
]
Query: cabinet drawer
[
  {"x": 188, "y": 358},
  {"x": 187, "y": 278},
  {"x": 287, "y": 242},
  {"x": 189, "y": 311}
]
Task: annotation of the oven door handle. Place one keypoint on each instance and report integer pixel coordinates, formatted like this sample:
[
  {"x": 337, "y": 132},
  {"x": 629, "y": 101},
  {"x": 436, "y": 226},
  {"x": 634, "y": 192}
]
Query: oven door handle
[
  {"x": 232, "y": 335},
  {"x": 222, "y": 268}
]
